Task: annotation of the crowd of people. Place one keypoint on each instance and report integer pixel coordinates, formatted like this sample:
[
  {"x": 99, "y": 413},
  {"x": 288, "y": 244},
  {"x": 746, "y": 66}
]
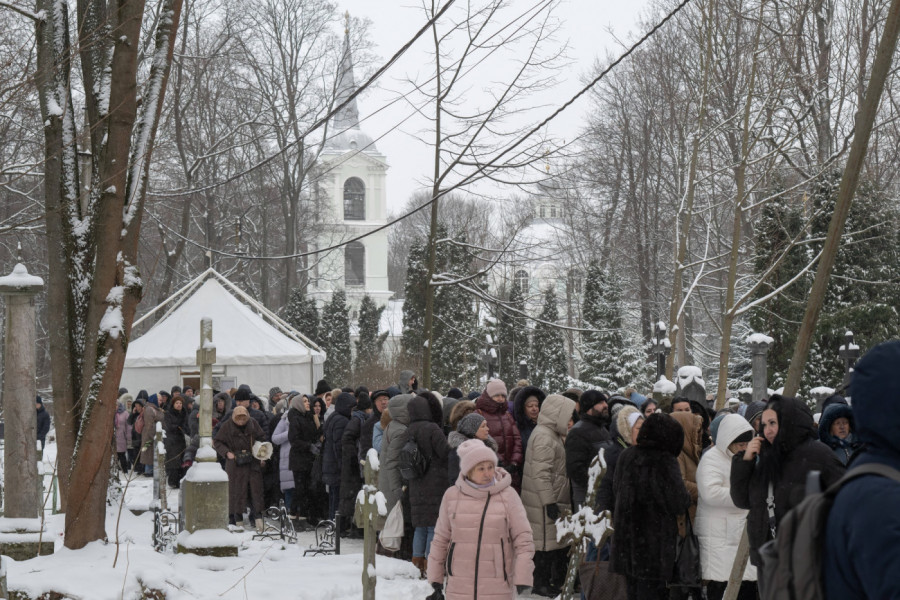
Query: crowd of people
[{"x": 496, "y": 469}]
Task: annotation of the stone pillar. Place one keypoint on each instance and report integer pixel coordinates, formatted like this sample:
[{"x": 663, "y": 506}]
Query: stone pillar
[
  {"x": 22, "y": 523},
  {"x": 849, "y": 353},
  {"x": 204, "y": 490},
  {"x": 759, "y": 347}
]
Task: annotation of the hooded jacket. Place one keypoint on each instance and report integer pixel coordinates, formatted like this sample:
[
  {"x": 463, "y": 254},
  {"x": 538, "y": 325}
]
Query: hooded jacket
[
  {"x": 395, "y": 435},
  {"x": 281, "y": 439},
  {"x": 843, "y": 449},
  {"x": 689, "y": 457},
  {"x": 425, "y": 493},
  {"x": 403, "y": 382},
  {"x": 503, "y": 429},
  {"x": 43, "y": 420},
  {"x": 650, "y": 496},
  {"x": 482, "y": 542},
  {"x": 719, "y": 523},
  {"x": 789, "y": 460},
  {"x": 582, "y": 444},
  {"x": 544, "y": 480},
  {"x": 525, "y": 425},
  {"x": 606, "y": 497},
  {"x": 123, "y": 429},
  {"x": 863, "y": 531},
  {"x": 332, "y": 450}
]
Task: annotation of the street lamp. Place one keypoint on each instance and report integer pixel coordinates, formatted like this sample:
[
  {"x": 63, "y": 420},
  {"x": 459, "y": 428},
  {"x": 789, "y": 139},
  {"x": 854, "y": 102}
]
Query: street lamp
[{"x": 660, "y": 348}]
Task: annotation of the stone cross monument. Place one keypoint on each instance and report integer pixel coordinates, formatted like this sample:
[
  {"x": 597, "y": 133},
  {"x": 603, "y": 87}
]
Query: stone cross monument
[
  {"x": 21, "y": 527},
  {"x": 204, "y": 491}
]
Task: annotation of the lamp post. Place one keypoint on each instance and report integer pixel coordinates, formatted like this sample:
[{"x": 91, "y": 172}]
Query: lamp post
[{"x": 848, "y": 352}]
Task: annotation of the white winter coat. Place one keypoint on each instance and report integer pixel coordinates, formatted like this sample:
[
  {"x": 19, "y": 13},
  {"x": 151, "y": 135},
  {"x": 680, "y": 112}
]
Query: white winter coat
[{"x": 719, "y": 522}]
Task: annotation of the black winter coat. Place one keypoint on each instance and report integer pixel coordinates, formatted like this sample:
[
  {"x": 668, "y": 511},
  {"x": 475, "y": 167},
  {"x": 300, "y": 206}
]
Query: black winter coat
[
  {"x": 426, "y": 492},
  {"x": 43, "y": 423},
  {"x": 650, "y": 496},
  {"x": 796, "y": 452},
  {"x": 366, "y": 433},
  {"x": 606, "y": 497},
  {"x": 582, "y": 444},
  {"x": 175, "y": 424},
  {"x": 351, "y": 475},
  {"x": 303, "y": 435},
  {"x": 332, "y": 451}
]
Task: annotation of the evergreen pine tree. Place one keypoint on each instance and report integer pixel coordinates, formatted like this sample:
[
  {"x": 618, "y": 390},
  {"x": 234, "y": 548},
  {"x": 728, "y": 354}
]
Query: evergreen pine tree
[
  {"x": 336, "y": 339},
  {"x": 456, "y": 335},
  {"x": 512, "y": 335},
  {"x": 863, "y": 295},
  {"x": 611, "y": 358},
  {"x": 301, "y": 314},
  {"x": 779, "y": 317},
  {"x": 370, "y": 345},
  {"x": 550, "y": 370},
  {"x": 414, "y": 303}
]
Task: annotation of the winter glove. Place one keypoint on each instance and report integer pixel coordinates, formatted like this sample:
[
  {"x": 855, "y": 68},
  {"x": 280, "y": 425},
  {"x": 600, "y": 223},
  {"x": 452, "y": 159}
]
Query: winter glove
[
  {"x": 523, "y": 590},
  {"x": 438, "y": 592},
  {"x": 511, "y": 469},
  {"x": 552, "y": 511},
  {"x": 187, "y": 464},
  {"x": 314, "y": 448}
]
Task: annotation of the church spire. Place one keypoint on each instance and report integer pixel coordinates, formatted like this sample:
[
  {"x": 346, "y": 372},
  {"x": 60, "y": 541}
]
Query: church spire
[{"x": 348, "y": 116}]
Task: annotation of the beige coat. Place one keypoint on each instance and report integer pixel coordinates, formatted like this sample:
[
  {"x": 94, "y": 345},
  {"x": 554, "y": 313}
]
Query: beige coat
[
  {"x": 690, "y": 454},
  {"x": 544, "y": 479}
]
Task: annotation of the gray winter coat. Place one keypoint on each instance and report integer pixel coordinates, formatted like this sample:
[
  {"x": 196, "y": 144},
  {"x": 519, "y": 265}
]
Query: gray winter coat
[
  {"x": 395, "y": 436},
  {"x": 280, "y": 437}
]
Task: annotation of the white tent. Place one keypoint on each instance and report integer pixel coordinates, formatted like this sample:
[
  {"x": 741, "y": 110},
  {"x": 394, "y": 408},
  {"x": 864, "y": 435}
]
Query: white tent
[{"x": 253, "y": 345}]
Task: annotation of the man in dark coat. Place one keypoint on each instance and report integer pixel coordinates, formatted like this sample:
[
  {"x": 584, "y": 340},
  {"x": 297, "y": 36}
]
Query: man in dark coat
[
  {"x": 43, "y": 421},
  {"x": 427, "y": 491},
  {"x": 332, "y": 451},
  {"x": 650, "y": 496},
  {"x": 351, "y": 472},
  {"x": 861, "y": 560},
  {"x": 584, "y": 441},
  {"x": 236, "y": 436}
]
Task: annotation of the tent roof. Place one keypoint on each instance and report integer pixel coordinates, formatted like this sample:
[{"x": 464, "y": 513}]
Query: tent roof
[{"x": 244, "y": 331}]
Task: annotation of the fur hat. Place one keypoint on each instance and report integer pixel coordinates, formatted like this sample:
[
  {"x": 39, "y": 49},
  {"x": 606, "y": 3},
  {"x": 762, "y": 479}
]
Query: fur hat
[
  {"x": 242, "y": 394},
  {"x": 661, "y": 432},
  {"x": 322, "y": 387},
  {"x": 455, "y": 393},
  {"x": 472, "y": 452},
  {"x": 622, "y": 422},
  {"x": 494, "y": 387},
  {"x": 469, "y": 424}
]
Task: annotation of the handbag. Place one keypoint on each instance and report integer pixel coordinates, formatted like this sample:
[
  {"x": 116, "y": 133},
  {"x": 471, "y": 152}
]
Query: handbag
[
  {"x": 687, "y": 558},
  {"x": 391, "y": 537},
  {"x": 598, "y": 582},
  {"x": 243, "y": 458}
]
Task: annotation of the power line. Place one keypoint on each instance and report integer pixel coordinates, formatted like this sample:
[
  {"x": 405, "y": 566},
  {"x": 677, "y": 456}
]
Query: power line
[{"x": 465, "y": 180}]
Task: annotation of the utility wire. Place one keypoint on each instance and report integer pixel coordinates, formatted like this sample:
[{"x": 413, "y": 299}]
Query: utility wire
[{"x": 468, "y": 178}]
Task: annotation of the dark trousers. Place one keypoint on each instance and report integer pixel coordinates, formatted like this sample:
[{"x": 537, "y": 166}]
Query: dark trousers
[
  {"x": 123, "y": 462},
  {"x": 646, "y": 589},
  {"x": 550, "y": 567},
  {"x": 715, "y": 590},
  {"x": 306, "y": 497},
  {"x": 334, "y": 500}
]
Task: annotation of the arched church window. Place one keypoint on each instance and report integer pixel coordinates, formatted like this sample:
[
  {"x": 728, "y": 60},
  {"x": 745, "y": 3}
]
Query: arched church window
[
  {"x": 354, "y": 200},
  {"x": 354, "y": 264},
  {"x": 521, "y": 278}
]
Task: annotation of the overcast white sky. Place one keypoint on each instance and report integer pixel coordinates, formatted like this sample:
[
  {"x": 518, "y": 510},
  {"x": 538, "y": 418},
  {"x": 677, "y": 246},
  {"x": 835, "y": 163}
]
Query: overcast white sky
[{"x": 585, "y": 23}]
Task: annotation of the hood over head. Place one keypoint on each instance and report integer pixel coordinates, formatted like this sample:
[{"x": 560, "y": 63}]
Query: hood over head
[
  {"x": 419, "y": 409},
  {"x": 345, "y": 403},
  {"x": 754, "y": 409},
  {"x": 731, "y": 427},
  {"x": 398, "y": 406},
  {"x": 403, "y": 381},
  {"x": 833, "y": 399},
  {"x": 519, "y": 405},
  {"x": 622, "y": 427},
  {"x": 876, "y": 378},
  {"x": 692, "y": 425},
  {"x": 829, "y": 416},
  {"x": 556, "y": 412},
  {"x": 661, "y": 432},
  {"x": 295, "y": 401},
  {"x": 795, "y": 422}
]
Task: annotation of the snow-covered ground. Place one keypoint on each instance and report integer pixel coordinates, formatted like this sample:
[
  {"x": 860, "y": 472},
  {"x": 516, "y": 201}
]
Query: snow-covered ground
[{"x": 262, "y": 569}]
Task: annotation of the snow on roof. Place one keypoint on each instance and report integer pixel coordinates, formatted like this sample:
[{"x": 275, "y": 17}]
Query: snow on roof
[{"x": 241, "y": 336}]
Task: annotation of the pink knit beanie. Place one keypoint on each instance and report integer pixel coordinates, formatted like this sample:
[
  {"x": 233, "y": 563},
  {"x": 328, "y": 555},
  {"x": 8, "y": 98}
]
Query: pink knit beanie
[
  {"x": 496, "y": 386},
  {"x": 472, "y": 452}
]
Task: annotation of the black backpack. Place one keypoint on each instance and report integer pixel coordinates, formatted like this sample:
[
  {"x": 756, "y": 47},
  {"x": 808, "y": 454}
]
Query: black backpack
[
  {"x": 413, "y": 463},
  {"x": 792, "y": 562}
]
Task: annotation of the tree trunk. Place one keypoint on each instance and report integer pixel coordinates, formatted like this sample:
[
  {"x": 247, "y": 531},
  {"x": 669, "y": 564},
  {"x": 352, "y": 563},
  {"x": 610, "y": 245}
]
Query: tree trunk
[{"x": 865, "y": 119}]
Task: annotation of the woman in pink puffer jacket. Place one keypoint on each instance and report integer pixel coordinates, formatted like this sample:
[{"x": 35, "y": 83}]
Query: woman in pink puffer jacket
[{"x": 483, "y": 543}]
